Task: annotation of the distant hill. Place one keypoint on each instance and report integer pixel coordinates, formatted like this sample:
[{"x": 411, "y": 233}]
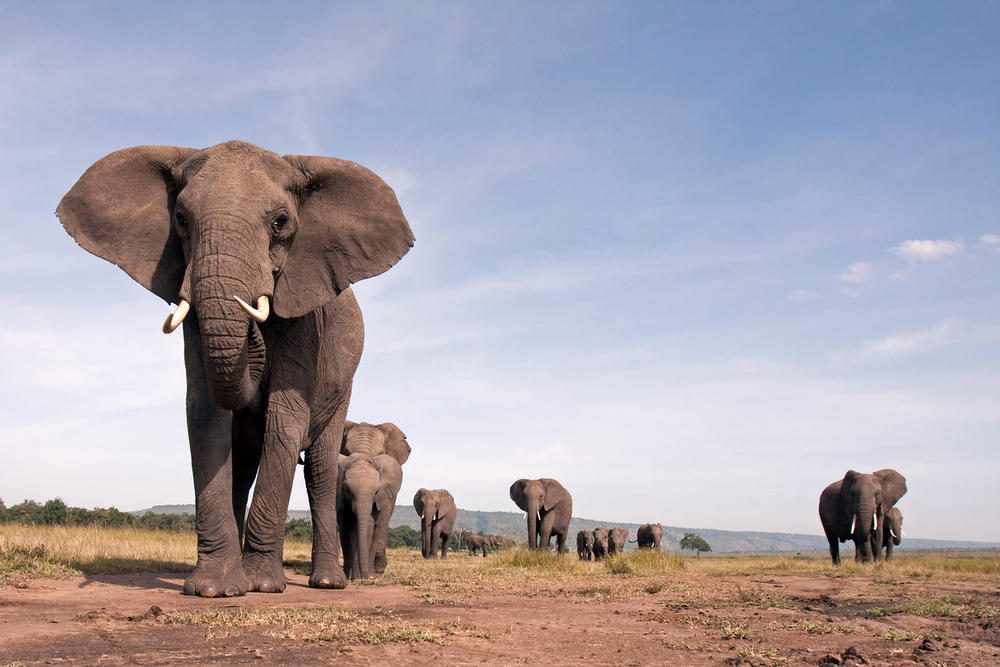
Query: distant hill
[{"x": 513, "y": 524}]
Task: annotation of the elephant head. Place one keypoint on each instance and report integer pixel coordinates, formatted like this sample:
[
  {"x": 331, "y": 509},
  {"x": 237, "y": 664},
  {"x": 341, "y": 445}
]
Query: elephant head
[
  {"x": 537, "y": 497},
  {"x": 649, "y": 535},
  {"x": 600, "y": 543},
  {"x": 234, "y": 231},
  {"x": 375, "y": 439},
  {"x": 433, "y": 506},
  {"x": 616, "y": 540},
  {"x": 893, "y": 526}
]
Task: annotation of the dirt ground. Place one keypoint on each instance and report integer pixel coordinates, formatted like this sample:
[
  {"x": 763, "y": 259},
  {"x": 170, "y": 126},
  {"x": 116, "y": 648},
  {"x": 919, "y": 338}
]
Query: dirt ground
[{"x": 144, "y": 619}]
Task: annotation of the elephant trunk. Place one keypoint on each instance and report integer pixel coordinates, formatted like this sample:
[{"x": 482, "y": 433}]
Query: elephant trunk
[
  {"x": 366, "y": 526},
  {"x": 232, "y": 344},
  {"x": 532, "y": 524},
  {"x": 426, "y": 526},
  {"x": 864, "y": 525}
]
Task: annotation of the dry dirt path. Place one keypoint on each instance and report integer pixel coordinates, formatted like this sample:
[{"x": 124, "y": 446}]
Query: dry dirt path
[{"x": 137, "y": 619}]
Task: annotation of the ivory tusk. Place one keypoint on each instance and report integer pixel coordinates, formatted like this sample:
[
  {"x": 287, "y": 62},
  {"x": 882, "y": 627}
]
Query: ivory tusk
[
  {"x": 874, "y": 522},
  {"x": 175, "y": 318},
  {"x": 892, "y": 532},
  {"x": 259, "y": 313},
  {"x": 852, "y": 524}
]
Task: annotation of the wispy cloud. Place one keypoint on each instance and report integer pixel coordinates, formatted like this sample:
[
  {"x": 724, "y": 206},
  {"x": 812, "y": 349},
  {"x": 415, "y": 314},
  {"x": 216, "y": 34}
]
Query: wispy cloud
[
  {"x": 803, "y": 295},
  {"x": 857, "y": 273},
  {"x": 991, "y": 241},
  {"x": 910, "y": 343},
  {"x": 925, "y": 250}
]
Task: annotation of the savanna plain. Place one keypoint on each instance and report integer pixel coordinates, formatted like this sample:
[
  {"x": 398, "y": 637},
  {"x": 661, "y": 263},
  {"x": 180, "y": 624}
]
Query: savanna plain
[{"x": 95, "y": 595}]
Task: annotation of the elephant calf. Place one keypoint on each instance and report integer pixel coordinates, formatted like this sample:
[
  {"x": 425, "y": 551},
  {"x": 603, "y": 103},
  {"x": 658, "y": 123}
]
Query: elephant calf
[
  {"x": 616, "y": 541},
  {"x": 893, "y": 530},
  {"x": 585, "y": 545},
  {"x": 477, "y": 542}
]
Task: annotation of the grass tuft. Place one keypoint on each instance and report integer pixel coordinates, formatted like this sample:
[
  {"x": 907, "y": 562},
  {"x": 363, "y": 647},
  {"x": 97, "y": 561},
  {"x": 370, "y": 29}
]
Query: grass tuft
[
  {"x": 538, "y": 561},
  {"x": 644, "y": 562}
]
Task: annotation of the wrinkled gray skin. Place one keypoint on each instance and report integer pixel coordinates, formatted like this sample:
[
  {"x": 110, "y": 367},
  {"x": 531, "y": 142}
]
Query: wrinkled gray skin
[
  {"x": 892, "y": 530},
  {"x": 600, "y": 543},
  {"x": 616, "y": 541},
  {"x": 234, "y": 220},
  {"x": 476, "y": 542},
  {"x": 585, "y": 545},
  {"x": 649, "y": 536},
  {"x": 437, "y": 511},
  {"x": 549, "y": 508},
  {"x": 388, "y": 448},
  {"x": 853, "y": 508}
]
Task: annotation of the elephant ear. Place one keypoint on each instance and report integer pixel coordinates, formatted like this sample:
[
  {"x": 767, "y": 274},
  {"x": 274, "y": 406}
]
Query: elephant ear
[
  {"x": 350, "y": 228},
  {"x": 517, "y": 493},
  {"x": 446, "y": 505},
  {"x": 381, "y": 500},
  {"x": 893, "y": 486},
  {"x": 396, "y": 445},
  {"x": 121, "y": 210},
  {"x": 418, "y": 501},
  {"x": 554, "y": 493},
  {"x": 348, "y": 425}
]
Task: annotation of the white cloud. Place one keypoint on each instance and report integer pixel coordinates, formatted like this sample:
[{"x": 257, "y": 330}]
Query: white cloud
[
  {"x": 926, "y": 250},
  {"x": 803, "y": 295},
  {"x": 946, "y": 333},
  {"x": 991, "y": 241},
  {"x": 859, "y": 272}
]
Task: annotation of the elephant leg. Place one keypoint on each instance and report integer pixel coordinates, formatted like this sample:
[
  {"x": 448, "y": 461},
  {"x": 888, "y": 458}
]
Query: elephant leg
[
  {"x": 322, "y": 472},
  {"x": 444, "y": 544},
  {"x": 888, "y": 549},
  {"x": 381, "y": 536},
  {"x": 545, "y": 531},
  {"x": 248, "y": 440},
  {"x": 287, "y": 420},
  {"x": 219, "y": 571}
]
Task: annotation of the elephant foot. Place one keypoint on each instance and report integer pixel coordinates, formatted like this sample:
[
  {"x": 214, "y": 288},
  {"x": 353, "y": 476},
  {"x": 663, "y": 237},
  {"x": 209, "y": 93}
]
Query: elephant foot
[
  {"x": 220, "y": 579},
  {"x": 380, "y": 562},
  {"x": 327, "y": 575},
  {"x": 265, "y": 572}
]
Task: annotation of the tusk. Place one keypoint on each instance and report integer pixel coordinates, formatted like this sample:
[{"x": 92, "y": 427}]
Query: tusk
[
  {"x": 259, "y": 313},
  {"x": 852, "y": 524},
  {"x": 893, "y": 533},
  {"x": 175, "y": 318},
  {"x": 874, "y": 522}
]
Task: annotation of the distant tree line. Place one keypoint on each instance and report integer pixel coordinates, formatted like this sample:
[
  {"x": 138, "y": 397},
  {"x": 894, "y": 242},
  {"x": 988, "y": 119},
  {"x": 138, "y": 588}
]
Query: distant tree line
[
  {"x": 400, "y": 537},
  {"x": 55, "y": 512}
]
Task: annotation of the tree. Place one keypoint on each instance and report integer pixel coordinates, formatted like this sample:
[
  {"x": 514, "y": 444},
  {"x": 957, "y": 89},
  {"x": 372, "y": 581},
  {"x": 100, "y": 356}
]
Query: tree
[
  {"x": 403, "y": 536},
  {"x": 692, "y": 542},
  {"x": 301, "y": 529}
]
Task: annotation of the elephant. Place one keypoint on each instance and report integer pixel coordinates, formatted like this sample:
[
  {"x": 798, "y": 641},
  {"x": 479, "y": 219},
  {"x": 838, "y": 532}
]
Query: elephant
[
  {"x": 549, "y": 508},
  {"x": 386, "y": 444},
  {"x": 616, "y": 541},
  {"x": 854, "y": 507},
  {"x": 649, "y": 536},
  {"x": 476, "y": 542},
  {"x": 585, "y": 545},
  {"x": 360, "y": 503},
  {"x": 600, "y": 543},
  {"x": 437, "y": 511},
  {"x": 892, "y": 530},
  {"x": 216, "y": 230}
]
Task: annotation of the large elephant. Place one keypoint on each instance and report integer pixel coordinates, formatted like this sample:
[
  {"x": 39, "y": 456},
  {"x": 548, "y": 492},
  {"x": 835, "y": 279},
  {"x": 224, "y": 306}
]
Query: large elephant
[
  {"x": 600, "y": 543},
  {"x": 649, "y": 536},
  {"x": 585, "y": 544},
  {"x": 616, "y": 541},
  {"x": 386, "y": 444},
  {"x": 892, "y": 530},
  {"x": 549, "y": 508},
  {"x": 855, "y": 506},
  {"x": 437, "y": 512},
  {"x": 219, "y": 229}
]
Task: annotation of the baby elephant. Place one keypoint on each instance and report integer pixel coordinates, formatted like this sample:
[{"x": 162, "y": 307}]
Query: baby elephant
[
  {"x": 649, "y": 535},
  {"x": 477, "y": 542},
  {"x": 893, "y": 530},
  {"x": 585, "y": 544},
  {"x": 616, "y": 541},
  {"x": 360, "y": 503}
]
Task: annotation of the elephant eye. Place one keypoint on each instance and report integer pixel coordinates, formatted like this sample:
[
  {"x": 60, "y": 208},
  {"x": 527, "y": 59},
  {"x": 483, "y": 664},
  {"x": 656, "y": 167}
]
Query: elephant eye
[
  {"x": 182, "y": 223},
  {"x": 280, "y": 222}
]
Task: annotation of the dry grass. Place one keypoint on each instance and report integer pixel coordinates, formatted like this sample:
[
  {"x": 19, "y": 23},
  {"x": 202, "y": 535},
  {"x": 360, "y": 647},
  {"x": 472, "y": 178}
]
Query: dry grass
[{"x": 322, "y": 624}]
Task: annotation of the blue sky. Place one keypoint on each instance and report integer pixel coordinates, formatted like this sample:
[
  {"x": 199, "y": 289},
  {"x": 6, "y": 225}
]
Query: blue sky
[{"x": 694, "y": 260}]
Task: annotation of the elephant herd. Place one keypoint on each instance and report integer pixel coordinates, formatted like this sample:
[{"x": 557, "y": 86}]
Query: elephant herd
[
  {"x": 600, "y": 543},
  {"x": 259, "y": 251}
]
